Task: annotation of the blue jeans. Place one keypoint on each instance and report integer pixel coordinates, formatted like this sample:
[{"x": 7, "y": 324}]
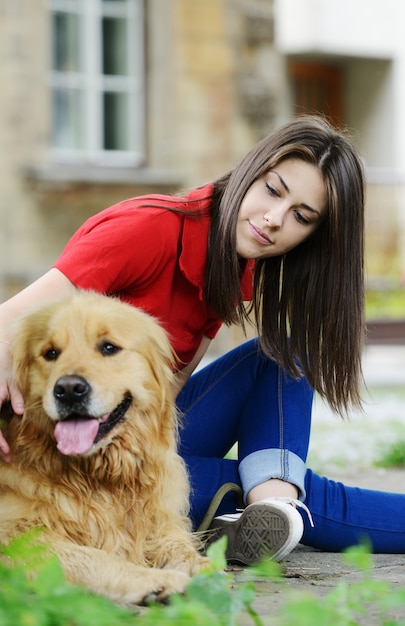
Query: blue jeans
[{"x": 245, "y": 398}]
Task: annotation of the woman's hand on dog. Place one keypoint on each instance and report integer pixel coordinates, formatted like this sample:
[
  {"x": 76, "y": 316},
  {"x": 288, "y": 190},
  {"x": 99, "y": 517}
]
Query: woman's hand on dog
[
  {"x": 4, "y": 449},
  {"x": 9, "y": 392}
]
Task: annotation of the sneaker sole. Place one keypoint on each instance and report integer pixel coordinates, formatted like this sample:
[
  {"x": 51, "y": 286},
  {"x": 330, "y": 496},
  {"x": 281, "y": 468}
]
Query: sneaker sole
[{"x": 261, "y": 532}]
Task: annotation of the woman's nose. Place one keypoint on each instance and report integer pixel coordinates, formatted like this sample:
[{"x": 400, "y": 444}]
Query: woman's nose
[{"x": 274, "y": 216}]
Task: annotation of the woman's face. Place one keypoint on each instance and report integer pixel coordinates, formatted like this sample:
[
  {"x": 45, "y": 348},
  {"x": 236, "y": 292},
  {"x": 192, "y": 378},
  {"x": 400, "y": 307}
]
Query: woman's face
[{"x": 280, "y": 210}]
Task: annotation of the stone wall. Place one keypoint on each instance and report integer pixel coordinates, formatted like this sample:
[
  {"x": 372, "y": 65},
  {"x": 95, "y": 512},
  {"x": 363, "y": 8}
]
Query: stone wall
[{"x": 207, "y": 97}]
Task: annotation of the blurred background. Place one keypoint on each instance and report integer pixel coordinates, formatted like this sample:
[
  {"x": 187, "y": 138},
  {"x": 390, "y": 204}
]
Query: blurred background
[
  {"x": 101, "y": 100},
  {"x": 105, "y": 99}
]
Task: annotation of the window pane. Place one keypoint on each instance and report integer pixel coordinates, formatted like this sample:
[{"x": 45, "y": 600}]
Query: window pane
[
  {"x": 66, "y": 42},
  {"x": 115, "y": 121},
  {"x": 97, "y": 77},
  {"x": 114, "y": 46},
  {"x": 68, "y": 129}
]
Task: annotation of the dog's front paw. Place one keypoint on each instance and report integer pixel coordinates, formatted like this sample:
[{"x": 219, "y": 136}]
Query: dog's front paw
[
  {"x": 192, "y": 564},
  {"x": 200, "y": 563},
  {"x": 168, "y": 582}
]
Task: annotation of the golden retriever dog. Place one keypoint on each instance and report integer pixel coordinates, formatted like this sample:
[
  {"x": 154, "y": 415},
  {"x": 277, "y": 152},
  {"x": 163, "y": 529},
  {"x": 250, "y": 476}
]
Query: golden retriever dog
[{"x": 94, "y": 455}]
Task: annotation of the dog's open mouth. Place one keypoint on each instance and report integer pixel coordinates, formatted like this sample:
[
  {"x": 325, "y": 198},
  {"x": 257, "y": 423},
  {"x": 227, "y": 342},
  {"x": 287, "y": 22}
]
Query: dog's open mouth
[{"x": 77, "y": 433}]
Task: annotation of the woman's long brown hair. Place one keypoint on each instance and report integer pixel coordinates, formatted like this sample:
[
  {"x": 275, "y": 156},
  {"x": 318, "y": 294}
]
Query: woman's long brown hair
[{"x": 309, "y": 303}]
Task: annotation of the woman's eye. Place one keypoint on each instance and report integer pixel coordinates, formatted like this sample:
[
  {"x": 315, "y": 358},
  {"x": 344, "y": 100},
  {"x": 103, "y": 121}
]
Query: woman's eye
[
  {"x": 272, "y": 191},
  {"x": 301, "y": 218}
]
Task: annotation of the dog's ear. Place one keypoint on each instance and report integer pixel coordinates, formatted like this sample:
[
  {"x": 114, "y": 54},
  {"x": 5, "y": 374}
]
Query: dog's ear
[
  {"x": 161, "y": 355},
  {"x": 150, "y": 339},
  {"x": 28, "y": 332},
  {"x": 21, "y": 353}
]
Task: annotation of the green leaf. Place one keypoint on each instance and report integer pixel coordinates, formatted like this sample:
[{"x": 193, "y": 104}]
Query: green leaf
[
  {"x": 266, "y": 568},
  {"x": 359, "y": 557},
  {"x": 26, "y": 549},
  {"x": 216, "y": 553},
  {"x": 49, "y": 577},
  {"x": 308, "y": 610}
]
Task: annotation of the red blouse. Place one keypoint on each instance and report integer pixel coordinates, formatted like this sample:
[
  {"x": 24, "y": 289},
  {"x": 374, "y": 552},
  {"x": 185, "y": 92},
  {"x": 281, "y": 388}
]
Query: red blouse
[{"x": 154, "y": 259}]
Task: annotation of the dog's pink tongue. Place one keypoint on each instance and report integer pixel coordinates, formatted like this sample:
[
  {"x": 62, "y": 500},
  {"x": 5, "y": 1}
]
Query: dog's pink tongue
[{"x": 76, "y": 436}]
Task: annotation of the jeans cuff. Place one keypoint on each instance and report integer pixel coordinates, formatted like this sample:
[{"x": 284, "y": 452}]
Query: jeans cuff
[{"x": 262, "y": 465}]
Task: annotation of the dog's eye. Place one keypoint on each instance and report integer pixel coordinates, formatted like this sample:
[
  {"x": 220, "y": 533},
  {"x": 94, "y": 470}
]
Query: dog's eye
[
  {"x": 51, "y": 354},
  {"x": 109, "y": 349}
]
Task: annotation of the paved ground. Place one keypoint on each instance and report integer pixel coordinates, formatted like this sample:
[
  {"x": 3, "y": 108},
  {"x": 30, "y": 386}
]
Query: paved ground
[
  {"x": 346, "y": 451},
  {"x": 317, "y": 574},
  {"x": 308, "y": 571}
]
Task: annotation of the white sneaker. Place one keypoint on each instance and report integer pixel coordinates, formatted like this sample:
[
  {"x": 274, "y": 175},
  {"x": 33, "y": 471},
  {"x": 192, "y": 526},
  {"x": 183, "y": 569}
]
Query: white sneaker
[{"x": 271, "y": 527}]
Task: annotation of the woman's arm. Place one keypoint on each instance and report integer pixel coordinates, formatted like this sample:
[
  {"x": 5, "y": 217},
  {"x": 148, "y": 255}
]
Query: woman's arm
[{"x": 183, "y": 375}]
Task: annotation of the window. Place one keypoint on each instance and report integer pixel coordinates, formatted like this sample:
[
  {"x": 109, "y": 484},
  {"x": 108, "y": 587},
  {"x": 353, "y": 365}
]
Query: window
[
  {"x": 317, "y": 88},
  {"x": 97, "y": 80}
]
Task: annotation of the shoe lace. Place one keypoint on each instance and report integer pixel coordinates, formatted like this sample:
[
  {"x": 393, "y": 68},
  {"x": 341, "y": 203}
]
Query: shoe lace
[
  {"x": 297, "y": 504},
  {"x": 288, "y": 500}
]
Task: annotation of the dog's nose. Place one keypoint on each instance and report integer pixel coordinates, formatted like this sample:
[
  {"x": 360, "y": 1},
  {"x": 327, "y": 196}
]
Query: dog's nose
[{"x": 70, "y": 389}]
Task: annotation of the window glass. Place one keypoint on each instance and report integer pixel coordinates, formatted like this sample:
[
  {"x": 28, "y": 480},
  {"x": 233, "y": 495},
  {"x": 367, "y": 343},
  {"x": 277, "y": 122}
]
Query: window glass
[
  {"x": 66, "y": 42},
  {"x": 97, "y": 80},
  {"x": 114, "y": 46},
  {"x": 68, "y": 118},
  {"x": 115, "y": 116}
]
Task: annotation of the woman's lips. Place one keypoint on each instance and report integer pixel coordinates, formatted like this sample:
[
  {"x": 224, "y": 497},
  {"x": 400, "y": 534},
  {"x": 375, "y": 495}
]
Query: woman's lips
[{"x": 259, "y": 235}]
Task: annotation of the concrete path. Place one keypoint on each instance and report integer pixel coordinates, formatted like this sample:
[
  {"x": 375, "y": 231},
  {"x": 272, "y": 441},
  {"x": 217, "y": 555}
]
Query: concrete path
[{"x": 316, "y": 574}]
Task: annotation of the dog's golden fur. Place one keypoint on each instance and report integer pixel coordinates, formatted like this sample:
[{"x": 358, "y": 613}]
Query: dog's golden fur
[{"x": 116, "y": 513}]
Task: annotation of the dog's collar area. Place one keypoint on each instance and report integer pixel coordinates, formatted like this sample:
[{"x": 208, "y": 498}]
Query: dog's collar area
[{"x": 115, "y": 416}]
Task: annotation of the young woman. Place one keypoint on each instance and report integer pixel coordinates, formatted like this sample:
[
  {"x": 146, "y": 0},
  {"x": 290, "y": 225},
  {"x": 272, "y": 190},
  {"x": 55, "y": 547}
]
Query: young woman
[{"x": 279, "y": 239}]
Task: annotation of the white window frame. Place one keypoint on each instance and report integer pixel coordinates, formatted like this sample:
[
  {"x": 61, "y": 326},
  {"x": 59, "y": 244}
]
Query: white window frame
[{"x": 94, "y": 83}]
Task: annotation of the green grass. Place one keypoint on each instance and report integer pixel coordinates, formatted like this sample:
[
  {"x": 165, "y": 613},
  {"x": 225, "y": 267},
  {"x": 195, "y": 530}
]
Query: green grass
[
  {"x": 385, "y": 304},
  {"x": 33, "y": 592},
  {"x": 393, "y": 456}
]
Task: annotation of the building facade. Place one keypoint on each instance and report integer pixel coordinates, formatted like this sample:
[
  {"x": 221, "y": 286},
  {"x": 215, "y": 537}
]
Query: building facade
[{"x": 106, "y": 99}]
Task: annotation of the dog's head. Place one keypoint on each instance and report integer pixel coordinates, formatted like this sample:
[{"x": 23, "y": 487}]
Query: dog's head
[{"x": 88, "y": 364}]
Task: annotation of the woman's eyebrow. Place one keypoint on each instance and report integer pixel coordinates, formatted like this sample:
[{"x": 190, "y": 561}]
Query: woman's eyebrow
[{"x": 285, "y": 186}]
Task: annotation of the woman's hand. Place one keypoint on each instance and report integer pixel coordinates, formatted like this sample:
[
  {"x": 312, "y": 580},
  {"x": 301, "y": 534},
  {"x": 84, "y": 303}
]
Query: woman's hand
[
  {"x": 8, "y": 393},
  {"x": 4, "y": 449}
]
